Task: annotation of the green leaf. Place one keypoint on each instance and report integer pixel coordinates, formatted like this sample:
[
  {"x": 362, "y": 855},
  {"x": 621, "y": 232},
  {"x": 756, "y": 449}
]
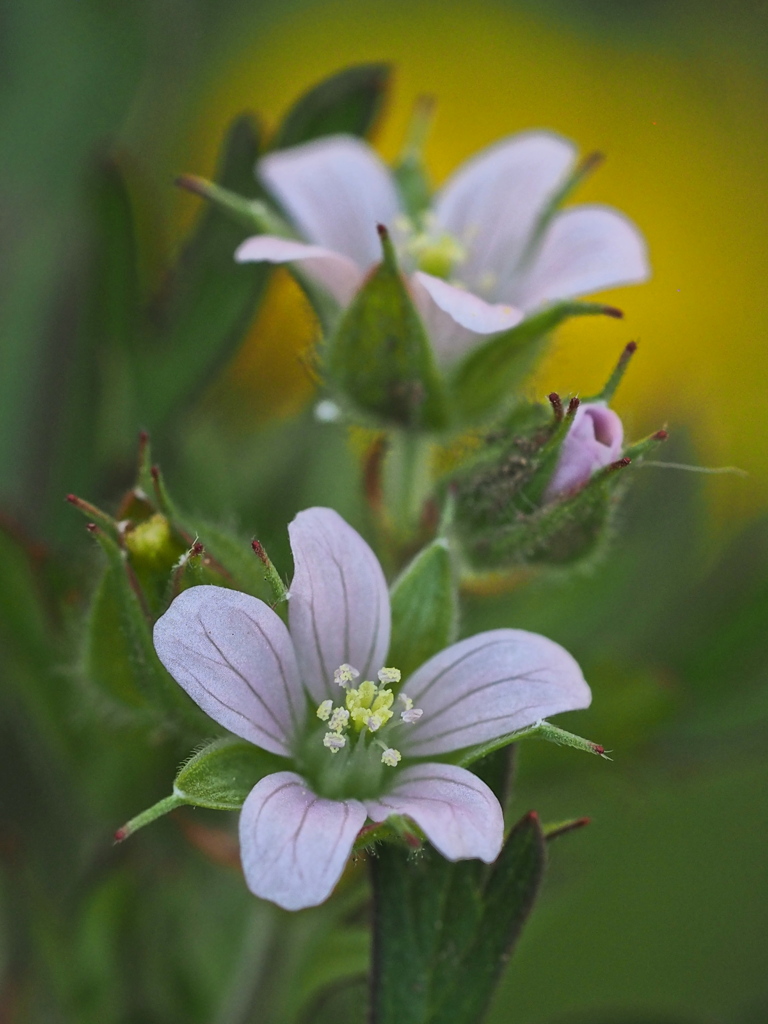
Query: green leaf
[
  {"x": 443, "y": 932},
  {"x": 92, "y": 416},
  {"x": 424, "y": 608},
  {"x": 380, "y": 357},
  {"x": 222, "y": 774},
  {"x": 347, "y": 102},
  {"x": 486, "y": 379},
  {"x": 210, "y": 300}
]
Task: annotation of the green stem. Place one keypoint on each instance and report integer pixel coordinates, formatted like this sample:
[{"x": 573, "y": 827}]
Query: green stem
[{"x": 408, "y": 480}]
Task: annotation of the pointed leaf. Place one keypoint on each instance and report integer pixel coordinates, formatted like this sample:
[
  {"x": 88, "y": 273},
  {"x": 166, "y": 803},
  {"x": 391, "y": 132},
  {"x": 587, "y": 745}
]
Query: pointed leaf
[
  {"x": 443, "y": 932},
  {"x": 347, "y": 102},
  {"x": 381, "y": 358},
  {"x": 210, "y": 300},
  {"x": 424, "y": 609},
  {"x": 508, "y": 898},
  {"x": 486, "y": 380}
]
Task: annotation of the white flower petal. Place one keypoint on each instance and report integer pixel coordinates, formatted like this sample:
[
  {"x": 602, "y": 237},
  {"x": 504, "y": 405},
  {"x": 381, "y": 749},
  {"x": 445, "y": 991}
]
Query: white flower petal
[
  {"x": 234, "y": 657},
  {"x": 336, "y": 274},
  {"x": 455, "y": 317},
  {"x": 335, "y": 190},
  {"x": 338, "y": 607},
  {"x": 593, "y": 442},
  {"x": 586, "y": 249},
  {"x": 493, "y": 201},
  {"x": 294, "y": 844},
  {"x": 489, "y": 685},
  {"x": 457, "y": 811}
]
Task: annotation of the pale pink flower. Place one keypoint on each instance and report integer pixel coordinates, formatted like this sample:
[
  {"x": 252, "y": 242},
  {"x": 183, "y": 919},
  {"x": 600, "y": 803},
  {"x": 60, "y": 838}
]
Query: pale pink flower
[
  {"x": 594, "y": 441},
  {"x": 475, "y": 263},
  {"x": 237, "y": 660}
]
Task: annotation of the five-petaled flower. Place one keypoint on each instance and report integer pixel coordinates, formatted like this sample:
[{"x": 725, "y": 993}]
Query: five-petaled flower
[
  {"x": 593, "y": 442},
  {"x": 366, "y": 758},
  {"x": 486, "y": 254}
]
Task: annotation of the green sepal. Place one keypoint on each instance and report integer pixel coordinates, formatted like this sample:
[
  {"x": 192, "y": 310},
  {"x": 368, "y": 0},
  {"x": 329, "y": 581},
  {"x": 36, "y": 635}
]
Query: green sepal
[
  {"x": 532, "y": 493},
  {"x": 219, "y": 777},
  {"x": 409, "y": 172},
  {"x": 424, "y": 608},
  {"x": 443, "y": 931},
  {"x": 540, "y": 730},
  {"x": 486, "y": 380},
  {"x": 232, "y": 556},
  {"x": 222, "y": 774},
  {"x": 120, "y": 602},
  {"x": 347, "y": 102},
  {"x": 251, "y": 214},
  {"x": 209, "y": 300},
  {"x": 561, "y": 828},
  {"x": 580, "y": 172},
  {"x": 380, "y": 357}
]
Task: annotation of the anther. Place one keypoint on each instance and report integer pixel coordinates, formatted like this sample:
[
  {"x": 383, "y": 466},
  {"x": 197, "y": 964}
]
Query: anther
[
  {"x": 339, "y": 720},
  {"x": 344, "y": 675},
  {"x": 391, "y": 757},
  {"x": 334, "y": 741},
  {"x": 324, "y": 710},
  {"x": 411, "y": 715},
  {"x": 389, "y": 675}
]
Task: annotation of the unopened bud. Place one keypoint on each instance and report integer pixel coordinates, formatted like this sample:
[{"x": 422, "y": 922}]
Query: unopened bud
[
  {"x": 593, "y": 442},
  {"x": 151, "y": 543}
]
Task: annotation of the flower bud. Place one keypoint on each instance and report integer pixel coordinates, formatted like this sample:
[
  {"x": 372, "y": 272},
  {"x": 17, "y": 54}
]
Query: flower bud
[
  {"x": 543, "y": 494},
  {"x": 152, "y": 544},
  {"x": 593, "y": 442}
]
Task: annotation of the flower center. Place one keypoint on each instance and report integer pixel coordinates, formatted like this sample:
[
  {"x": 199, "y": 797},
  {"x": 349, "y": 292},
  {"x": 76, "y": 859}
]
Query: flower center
[
  {"x": 356, "y": 750},
  {"x": 424, "y": 246}
]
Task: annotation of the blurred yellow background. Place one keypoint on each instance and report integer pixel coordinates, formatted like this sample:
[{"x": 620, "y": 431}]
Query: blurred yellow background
[{"x": 686, "y": 144}]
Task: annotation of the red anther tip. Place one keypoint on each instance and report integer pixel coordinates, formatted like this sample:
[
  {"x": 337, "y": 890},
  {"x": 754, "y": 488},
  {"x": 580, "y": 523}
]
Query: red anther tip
[
  {"x": 91, "y": 527},
  {"x": 120, "y": 835},
  {"x": 630, "y": 348},
  {"x": 155, "y": 472},
  {"x": 143, "y": 436},
  {"x": 72, "y": 499},
  {"x": 598, "y": 749},
  {"x": 660, "y": 435},
  {"x": 573, "y": 405},
  {"x": 532, "y": 815},
  {"x": 197, "y": 548},
  {"x": 553, "y": 397},
  {"x": 613, "y": 311},
  {"x": 382, "y": 230}
]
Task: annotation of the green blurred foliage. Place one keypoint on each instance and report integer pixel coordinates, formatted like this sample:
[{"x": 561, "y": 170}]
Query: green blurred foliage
[{"x": 655, "y": 914}]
